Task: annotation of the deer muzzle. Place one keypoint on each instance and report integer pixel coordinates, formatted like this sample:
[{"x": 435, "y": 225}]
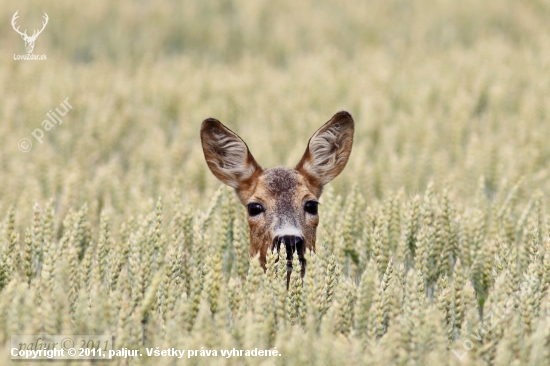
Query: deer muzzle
[{"x": 293, "y": 244}]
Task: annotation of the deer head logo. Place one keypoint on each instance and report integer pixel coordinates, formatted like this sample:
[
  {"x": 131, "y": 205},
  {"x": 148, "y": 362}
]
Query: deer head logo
[
  {"x": 29, "y": 40},
  {"x": 281, "y": 202}
]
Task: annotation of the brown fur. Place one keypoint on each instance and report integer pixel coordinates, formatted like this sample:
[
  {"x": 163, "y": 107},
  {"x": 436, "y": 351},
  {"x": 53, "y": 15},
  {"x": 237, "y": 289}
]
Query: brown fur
[{"x": 283, "y": 192}]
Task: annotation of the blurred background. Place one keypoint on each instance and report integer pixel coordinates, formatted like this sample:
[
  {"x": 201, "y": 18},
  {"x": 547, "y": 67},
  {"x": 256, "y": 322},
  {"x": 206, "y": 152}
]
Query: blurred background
[{"x": 440, "y": 90}]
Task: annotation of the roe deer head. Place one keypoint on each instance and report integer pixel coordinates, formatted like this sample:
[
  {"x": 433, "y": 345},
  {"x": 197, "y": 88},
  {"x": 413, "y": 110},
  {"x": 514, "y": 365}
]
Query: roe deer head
[{"x": 281, "y": 202}]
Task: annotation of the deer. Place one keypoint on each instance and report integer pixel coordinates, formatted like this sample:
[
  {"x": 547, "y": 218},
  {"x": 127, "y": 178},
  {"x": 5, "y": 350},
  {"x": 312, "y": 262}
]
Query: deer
[
  {"x": 29, "y": 41},
  {"x": 281, "y": 203}
]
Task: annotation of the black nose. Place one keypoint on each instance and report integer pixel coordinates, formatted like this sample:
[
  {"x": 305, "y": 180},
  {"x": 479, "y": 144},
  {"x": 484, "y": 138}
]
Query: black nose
[{"x": 292, "y": 244}]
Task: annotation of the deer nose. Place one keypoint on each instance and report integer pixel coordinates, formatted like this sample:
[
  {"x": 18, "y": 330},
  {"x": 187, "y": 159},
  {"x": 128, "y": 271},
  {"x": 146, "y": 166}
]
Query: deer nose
[{"x": 292, "y": 244}]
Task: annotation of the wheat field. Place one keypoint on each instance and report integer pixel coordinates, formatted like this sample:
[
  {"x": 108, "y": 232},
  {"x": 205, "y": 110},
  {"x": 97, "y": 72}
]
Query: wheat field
[{"x": 433, "y": 246}]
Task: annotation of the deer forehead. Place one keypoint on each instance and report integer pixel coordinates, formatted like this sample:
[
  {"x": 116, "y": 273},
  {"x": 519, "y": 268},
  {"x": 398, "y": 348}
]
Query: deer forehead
[{"x": 282, "y": 188}]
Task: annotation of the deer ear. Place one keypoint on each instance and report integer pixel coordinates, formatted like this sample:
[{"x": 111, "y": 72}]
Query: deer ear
[
  {"x": 328, "y": 150},
  {"x": 227, "y": 155}
]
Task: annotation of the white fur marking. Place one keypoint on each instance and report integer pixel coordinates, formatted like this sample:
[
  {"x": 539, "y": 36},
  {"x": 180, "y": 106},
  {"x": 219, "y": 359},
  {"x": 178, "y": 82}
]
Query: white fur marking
[{"x": 288, "y": 231}]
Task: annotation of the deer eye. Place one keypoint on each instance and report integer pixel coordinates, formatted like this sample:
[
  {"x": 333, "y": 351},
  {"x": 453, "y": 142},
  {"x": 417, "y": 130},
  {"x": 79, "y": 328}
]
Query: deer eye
[
  {"x": 311, "y": 207},
  {"x": 254, "y": 209}
]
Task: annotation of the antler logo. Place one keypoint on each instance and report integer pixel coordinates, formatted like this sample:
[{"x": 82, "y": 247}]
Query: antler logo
[{"x": 29, "y": 40}]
